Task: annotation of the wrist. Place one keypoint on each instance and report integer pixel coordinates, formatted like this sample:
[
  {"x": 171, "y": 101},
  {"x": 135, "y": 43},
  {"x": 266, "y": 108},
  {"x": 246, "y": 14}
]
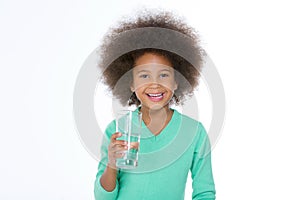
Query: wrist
[{"x": 111, "y": 169}]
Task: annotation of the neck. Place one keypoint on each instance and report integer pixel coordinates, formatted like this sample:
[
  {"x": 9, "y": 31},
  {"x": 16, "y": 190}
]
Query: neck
[{"x": 156, "y": 120}]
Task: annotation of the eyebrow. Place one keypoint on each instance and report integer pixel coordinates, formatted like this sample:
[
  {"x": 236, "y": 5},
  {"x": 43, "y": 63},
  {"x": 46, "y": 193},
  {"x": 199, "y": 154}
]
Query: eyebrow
[
  {"x": 141, "y": 71},
  {"x": 144, "y": 70},
  {"x": 168, "y": 70}
]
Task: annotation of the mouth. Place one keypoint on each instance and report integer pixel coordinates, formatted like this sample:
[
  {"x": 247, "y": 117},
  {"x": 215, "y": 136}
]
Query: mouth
[{"x": 155, "y": 96}]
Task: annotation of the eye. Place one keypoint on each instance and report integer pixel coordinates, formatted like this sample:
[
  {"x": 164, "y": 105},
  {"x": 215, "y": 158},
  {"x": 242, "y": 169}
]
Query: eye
[
  {"x": 144, "y": 76},
  {"x": 164, "y": 75}
]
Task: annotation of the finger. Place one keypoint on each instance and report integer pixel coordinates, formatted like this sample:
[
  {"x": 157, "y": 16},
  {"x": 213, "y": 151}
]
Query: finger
[
  {"x": 134, "y": 145},
  {"x": 115, "y": 136},
  {"x": 116, "y": 144},
  {"x": 119, "y": 142},
  {"x": 119, "y": 154},
  {"x": 116, "y": 148}
]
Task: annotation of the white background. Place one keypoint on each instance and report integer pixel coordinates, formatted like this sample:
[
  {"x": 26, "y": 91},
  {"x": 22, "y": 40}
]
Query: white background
[{"x": 254, "y": 44}]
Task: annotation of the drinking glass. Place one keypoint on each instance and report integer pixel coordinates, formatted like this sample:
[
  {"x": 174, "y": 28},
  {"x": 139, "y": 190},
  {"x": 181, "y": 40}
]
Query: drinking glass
[{"x": 129, "y": 124}]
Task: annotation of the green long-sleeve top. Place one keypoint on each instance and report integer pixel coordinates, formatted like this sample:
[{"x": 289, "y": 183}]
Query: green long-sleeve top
[{"x": 163, "y": 165}]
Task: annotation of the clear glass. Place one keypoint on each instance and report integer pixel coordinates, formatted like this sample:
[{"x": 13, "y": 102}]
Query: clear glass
[{"x": 129, "y": 124}]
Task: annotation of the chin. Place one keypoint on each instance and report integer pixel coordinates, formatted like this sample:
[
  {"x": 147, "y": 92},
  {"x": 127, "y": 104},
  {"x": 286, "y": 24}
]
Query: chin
[{"x": 156, "y": 106}]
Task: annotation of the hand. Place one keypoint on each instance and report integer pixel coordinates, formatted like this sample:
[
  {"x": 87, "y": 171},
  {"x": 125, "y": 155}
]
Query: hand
[{"x": 116, "y": 149}]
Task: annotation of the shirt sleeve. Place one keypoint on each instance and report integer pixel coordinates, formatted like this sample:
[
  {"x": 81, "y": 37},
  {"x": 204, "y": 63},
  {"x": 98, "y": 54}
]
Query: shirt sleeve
[
  {"x": 99, "y": 192},
  {"x": 201, "y": 169}
]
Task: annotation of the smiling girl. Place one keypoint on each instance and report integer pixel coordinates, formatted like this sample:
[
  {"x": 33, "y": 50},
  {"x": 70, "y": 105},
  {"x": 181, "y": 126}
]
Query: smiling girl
[{"x": 172, "y": 144}]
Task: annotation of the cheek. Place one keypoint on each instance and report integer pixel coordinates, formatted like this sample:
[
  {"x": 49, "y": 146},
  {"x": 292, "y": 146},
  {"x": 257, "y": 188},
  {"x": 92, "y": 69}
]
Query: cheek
[
  {"x": 170, "y": 85},
  {"x": 139, "y": 93},
  {"x": 140, "y": 85}
]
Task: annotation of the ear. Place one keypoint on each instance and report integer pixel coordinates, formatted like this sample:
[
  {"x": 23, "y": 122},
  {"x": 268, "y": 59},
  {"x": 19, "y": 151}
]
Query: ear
[
  {"x": 175, "y": 86},
  {"x": 131, "y": 87}
]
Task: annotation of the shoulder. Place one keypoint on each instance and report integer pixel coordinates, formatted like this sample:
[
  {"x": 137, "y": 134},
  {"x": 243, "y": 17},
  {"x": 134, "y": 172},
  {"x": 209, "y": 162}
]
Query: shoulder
[
  {"x": 110, "y": 129},
  {"x": 194, "y": 127},
  {"x": 190, "y": 122}
]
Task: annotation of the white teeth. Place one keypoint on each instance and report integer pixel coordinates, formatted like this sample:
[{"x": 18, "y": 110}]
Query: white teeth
[{"x": 155, "y": 95}]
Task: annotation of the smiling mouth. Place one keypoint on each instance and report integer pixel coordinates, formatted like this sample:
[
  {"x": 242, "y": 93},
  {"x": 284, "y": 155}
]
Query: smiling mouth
[{"x": 155, "y": 96}]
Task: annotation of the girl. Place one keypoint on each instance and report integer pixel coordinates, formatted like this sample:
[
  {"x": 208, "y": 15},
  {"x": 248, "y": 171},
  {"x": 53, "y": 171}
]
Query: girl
[{"x": 171, "y": 144}]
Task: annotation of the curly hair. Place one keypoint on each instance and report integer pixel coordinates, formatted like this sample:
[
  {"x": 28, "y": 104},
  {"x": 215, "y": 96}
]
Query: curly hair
[{"x": 116, "y": 73}]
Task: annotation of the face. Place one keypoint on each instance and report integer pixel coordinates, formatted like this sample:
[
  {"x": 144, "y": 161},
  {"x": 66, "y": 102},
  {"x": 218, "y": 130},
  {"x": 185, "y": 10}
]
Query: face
[{"x": 153, "y": 81}]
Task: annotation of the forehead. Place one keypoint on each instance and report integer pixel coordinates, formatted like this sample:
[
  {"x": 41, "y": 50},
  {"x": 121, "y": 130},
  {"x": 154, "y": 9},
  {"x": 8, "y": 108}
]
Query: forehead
[
  {"x": 152, "y": 58},
  {"x": 152, "y": 67},
  {"x": 152, "y": 62}
]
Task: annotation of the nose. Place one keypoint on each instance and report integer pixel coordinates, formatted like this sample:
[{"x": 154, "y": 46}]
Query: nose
[{"x": 154, "y": 84}]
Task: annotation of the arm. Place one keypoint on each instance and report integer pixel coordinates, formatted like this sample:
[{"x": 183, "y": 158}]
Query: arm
[
  {"x": 106, "y": 183},
  {"x": 203, "y": 183},
  {"x": 108, "y": 179},
  {"x": 109, "y": 176}
]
